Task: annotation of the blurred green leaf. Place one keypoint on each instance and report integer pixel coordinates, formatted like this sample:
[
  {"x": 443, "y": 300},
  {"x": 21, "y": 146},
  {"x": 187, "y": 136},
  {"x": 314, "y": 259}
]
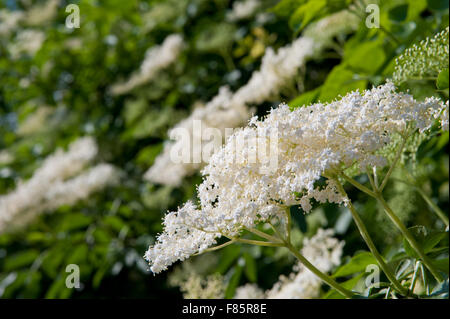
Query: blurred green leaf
[
  {"x": 357, "y": 264},
  {"x": 442, "y": 80}
]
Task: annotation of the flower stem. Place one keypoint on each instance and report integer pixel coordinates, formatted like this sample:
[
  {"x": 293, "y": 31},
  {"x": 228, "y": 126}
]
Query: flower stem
[
  {"x": 427, "y": 199},
  {"x": 433, "y": 206},
  {"x": 365, "y": 235},
  {"x": 409, "y": 237},
  {"x": 391, "y": 168},
  {"x": 327, "y": 279},
  {"x": 263, "y": 235},
  {"x": 259, "y": 242}
]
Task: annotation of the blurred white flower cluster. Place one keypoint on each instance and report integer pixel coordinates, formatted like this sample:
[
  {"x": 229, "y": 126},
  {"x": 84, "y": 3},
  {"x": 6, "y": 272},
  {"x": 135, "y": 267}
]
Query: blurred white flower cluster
[
  {"x": 322, "y": 250},
  {"x": 221, "y": 112},
  {"x": 37, "y": 15},
  {"x": 336, "y": 25},
  {"x": 41, "y": 14},
  {"x": 28, "y": 42},
  {"x": 156, "y": 59},
  {"x": 243, "y": 9},
  {"x": 51, "y": 186},
  {"x": 229, "y": 110},
  {"x": 196, "y": 287},
  {"x": 9, "y": 21},
  {"x": 312, "y": 142}
]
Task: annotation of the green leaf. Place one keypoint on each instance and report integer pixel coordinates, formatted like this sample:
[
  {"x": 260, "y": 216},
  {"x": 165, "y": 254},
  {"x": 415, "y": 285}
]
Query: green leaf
[
  {"x": 356, "y": 58},
  {"x": 307, "y": 13},
  {"x": 133, "y": 110},
  {"x": 250, "y": 267},
  {"x": 442, "y": 80},
  {"x": 357, "y": 264},
  {"x": 349, "y": 284},
  {"x": 438, "y": 4},
  {"x": 442, "y": 264},
  {"x": 114, "y": 222},
  {"x": 78, "y": 254},
  {"x": 425, "y": 238},
  {"x": 339, "y": 82},
  {"x": 234, "y": 282},
  {"x": 284, "y": 8},
  {"x": 305, "y": 99},
  {"x": 399, "y": 13},
  {"x": 432, "y": 239},
  {"x": 336, "y": 5},
  {"x": 230, "y": 254},
  {"x": 20, "y": 259},
  {"x": 75, "y": 221},
  {"x": 299, "y": 217},
  {"x": 56, "y": 288}
]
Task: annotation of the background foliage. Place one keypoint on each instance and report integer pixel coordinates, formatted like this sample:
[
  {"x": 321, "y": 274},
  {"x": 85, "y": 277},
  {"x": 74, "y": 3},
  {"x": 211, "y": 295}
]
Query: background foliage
[{"x": 108, "y": 234}]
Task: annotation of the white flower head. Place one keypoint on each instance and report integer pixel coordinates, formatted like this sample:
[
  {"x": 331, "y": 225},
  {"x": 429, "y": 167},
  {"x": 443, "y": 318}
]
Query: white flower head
[{"x": 312, "y": 143}]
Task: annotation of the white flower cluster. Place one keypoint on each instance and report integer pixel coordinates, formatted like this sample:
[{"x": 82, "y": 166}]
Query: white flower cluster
[
  {"x": 196, "y": 287},
  {"x": 28, "y": 42},
  {"x": 9, "y": 20},
  {"x": 324, "y": 31},
  {"x": 444, "y": 117},
  {"x": 322, "y": 250},
  {"x": 422, "y": 60},
  {"x": 156, "y": 59},
  {"x": 228, "y": 110},
  {"x": 243, "y": 9},
  {"x": 49, "y": 188},
  {"x": 249, "y": 291},
  {"x": 221, "y": 112},
  {"x": 41, "y": 14},
  {"x": 312, "y": 142}
]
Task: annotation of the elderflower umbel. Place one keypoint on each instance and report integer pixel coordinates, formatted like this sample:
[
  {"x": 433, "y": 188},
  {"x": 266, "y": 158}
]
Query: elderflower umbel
[
  {"x": 422, "y": 60},
  {"x": 156, "y": 59},
  {"x": 312, "y": 141}
]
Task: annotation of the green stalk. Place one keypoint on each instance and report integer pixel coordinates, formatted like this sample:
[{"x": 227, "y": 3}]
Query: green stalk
[
  {"x": 281, "y": 242},
  {"x": 409, "y": 237},
  {"x": 327, "y": 279},
  {"x": 433, "y": 206},
  {"x": 365, "y": 235}
]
